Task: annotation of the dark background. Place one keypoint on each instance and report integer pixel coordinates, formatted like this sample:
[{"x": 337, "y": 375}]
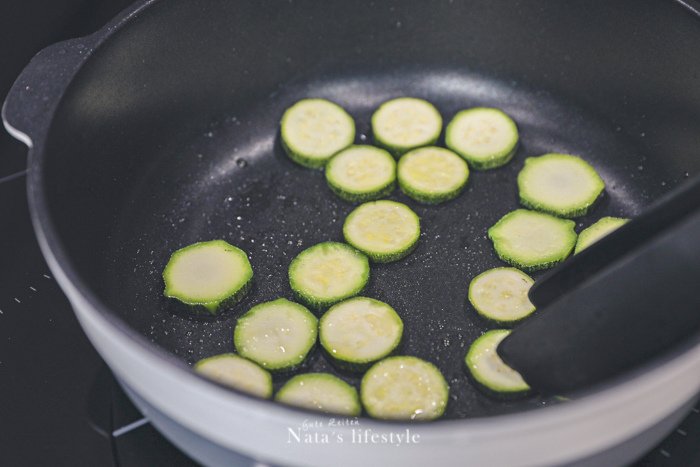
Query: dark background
[{"x": 47, "y": 366}]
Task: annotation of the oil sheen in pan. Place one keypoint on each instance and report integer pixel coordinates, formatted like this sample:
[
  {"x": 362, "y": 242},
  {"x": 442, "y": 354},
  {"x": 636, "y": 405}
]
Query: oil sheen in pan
[{"x": 231, "y": 180}]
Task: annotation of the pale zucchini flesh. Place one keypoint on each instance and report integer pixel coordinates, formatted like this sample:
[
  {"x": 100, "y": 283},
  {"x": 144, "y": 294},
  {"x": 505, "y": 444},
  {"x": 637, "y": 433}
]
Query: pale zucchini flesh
[
  {"x": 384, "y": 230},
  {"x": 404, "y": 388},
  {"x": 359, "y": 331},
  {"x": 489, "y": 371},
  {"x": 501, "y": 295},
  {"x": 208, "y": 274},
  {"x": 327, "y": 273},
  {"x": 486, "y": 137},
  {"x": 405, "y": 123},
  {"x": 321, "y": 392},
  {"x": 277, "y": 335},
  {"x": 432, "y": 175},
  {"x": 598, "y": 230},
  {"x": 532, "y": 240},
  {"x": 559, "y": 184},
  {"x": 236, "y": 372},
  {"x": 361, "y": 173},
  {"x": 313, "y": 130}
]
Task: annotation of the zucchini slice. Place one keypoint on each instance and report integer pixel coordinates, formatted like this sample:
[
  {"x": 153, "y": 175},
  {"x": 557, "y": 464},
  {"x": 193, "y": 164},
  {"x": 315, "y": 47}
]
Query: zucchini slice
[
  {"x": 432, "y": 175},
  {"x": 402, "y": 124},
  {"x": 560, "y": 184},
  {"x": 313, "y": 130},
  {"x": 236, "y": 372},
  {"x": 500, "y": 294},
  {"x": 489, "y": 371},
  {"x": 322, "y": 392},
  {"x": 486, "y": 137},
  {"x": 361, "y": 173},
  {"x": 360, "y": 331},
  {"x": 384, "y": 230},
  {"x": 208, "y": 274},
  {"x": 277, "y": 335},
  {"x": 532, "y": 240},
  {"x": 327, "y": 273},
  {"x": 404, "y": 388},
  {"x": 598, "y": 230}
]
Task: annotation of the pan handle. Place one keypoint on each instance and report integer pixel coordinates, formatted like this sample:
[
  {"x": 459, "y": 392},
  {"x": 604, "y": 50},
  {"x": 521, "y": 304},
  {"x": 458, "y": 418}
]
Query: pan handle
[{"x": 31, "y": 102}]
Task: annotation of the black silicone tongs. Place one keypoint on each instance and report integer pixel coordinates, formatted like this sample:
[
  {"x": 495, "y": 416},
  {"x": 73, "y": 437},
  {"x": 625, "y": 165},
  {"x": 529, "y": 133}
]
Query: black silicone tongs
[{"x": 615, "y": 305}]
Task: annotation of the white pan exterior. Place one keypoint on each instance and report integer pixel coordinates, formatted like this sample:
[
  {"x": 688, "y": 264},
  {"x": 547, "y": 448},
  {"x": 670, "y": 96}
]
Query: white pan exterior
[{"x": 550, "y": 436}]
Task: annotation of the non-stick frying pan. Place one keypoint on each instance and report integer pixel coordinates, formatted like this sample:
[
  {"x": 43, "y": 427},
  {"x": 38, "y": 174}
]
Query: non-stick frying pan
[{"x": 162, "y": 129}]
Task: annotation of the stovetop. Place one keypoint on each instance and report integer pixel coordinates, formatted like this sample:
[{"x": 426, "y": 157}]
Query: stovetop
[{"x": 59, "y": 404}]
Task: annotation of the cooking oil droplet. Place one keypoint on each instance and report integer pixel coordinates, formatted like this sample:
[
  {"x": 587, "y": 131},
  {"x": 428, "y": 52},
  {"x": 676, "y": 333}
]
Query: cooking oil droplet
[{"x": 240, "y": 162}]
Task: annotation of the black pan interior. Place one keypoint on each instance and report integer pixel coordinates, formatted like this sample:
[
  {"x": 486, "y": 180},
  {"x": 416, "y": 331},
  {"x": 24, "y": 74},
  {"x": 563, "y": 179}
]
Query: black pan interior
[{"x": 169, "y": 135}]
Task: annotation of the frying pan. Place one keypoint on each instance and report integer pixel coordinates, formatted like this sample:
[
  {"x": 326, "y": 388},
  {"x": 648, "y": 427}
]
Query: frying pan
[{"x": 161, "y": 130}]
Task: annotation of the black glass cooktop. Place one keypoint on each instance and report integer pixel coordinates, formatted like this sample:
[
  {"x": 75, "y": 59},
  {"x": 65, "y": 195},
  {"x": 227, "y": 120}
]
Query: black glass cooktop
[{"x": 59, "y": 404}]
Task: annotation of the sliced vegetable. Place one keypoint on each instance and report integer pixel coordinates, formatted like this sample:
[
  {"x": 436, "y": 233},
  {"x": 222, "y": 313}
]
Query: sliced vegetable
[
  {"x": 432, "y": 175},
  {"x": 361, "y": 173},
  {"x": 313, "y": 130},
  {"x": 500, "y": 294},
  {"x": 384, "y": 230},
  {"x": 208, "y": 274},
  {"x": 277, "y": 335},
  {"x": 600, "y": 229},
  {"x": 360, "y": 331},
  {"x": 486, "y": 137},
  {"x": 320, "y": 391},
  {"x": 236, "y": 372},
  {"x": 532, "y": 240},
  {"x": 560, "y": 184},
  {"x": 328, "y": 273},
  {"x": 406, "y": 123},
  {"x": 487, "y": 368},
  {"x": 404, "y": 388}
]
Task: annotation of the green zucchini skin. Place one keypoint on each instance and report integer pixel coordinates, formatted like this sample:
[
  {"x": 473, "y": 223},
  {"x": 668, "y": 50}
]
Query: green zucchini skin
[
  {"x": 598, "y": 230},
  {"x": 504, "y": 396},
  {"x": 576, "y": 210},
  {"x": 297, "y": 155},
  {"x": 391, "y": 257},
  {"x": 495, "y": 233},
  {"x": 297, "y": 361},
  {"x": 488, "y": 316},
  {"x": 320, "y": 303},
  {"x": 378, "y": 256},
  {"x": 430, "y": 198},
  {"x": 264, "y": 392},
  {"x": 494, "y": 160},
  {"x": 347, "y": 362},
  {"x": 424, "y": 196},
  {"x": 396, "y": 368},
  {"x": 358, "y": 196},
  {"x": 481, "y": 382},
  {"x": 397, "y": 150},
  {"x": 306, "y": 381},
  {"x": 497, "y": 162},
  {"x": 213, "y": 306},
  {"x": 308, "y": 162}
]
